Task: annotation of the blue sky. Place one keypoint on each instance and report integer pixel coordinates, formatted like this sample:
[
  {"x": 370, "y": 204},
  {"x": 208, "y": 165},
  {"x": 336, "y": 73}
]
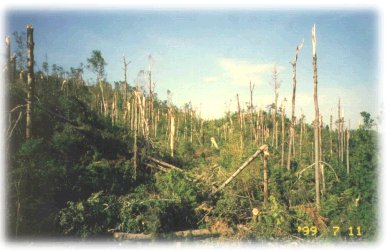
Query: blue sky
[{"x": 208, "y": 56}]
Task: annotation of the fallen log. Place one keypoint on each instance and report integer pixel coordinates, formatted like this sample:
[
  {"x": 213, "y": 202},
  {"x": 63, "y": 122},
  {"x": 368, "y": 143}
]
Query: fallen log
[
  {"x": 129, "y": 236},
  {"x": 262, "y": 149},
  {"x": 195, "y": 233},
  {"x": 158, "y": 167},
  {"x": 165, "y": 164}
]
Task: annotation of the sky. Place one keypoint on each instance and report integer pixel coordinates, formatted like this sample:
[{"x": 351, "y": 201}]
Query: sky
[{"x": 208, "y": 56}]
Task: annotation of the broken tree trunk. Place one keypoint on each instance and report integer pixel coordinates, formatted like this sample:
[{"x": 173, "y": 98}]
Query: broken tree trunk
[
  {"x": 253, "y": 121},
  {"x": 343, "y": 135},
  {"x": 172, "y": 134},
  {"x": 8, "y": 57},
  {"x": 293, "y": 118},
  {"x": 241, "y": 124},
  {"x": 316, "y": 123},
  {"x": 321, "y": 155},
  {"x": 347, "y": 149},
  {"x": 301, "y": 133},
  {"x": 195, "y": 233},
  {"x": 135, "y": 131},
  {"x": 330, "y": 138},
  {"x": 276, "y": 84},
  {"x": 214, "y": 143},
  {"x": 339, "y": 130},
  {"x": 262, "y": 149},
  {"x": 30, "y": 80},
  {"x": 283, "y": 126},
  {"x": 265, "y": 174},
  {"x": 125, "y": 87},
  {"x": 164, "y": 164}
]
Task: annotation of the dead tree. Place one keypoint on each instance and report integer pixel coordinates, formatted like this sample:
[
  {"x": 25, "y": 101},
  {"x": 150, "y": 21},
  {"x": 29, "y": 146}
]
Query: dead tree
[
  {"x": 343, "y": 135},
  {"x": 241, "y": 124},
  {"x": 301, "y": 133},
  {"x": 320, "y": 136},
  {"x": 339, "y": 130},
  {"x": 276, "y": 85},
  {"x": 125, "y": 95},
  {"x": 265, "y": 174},
  {"x": 330, "y": 137},
  {"x": 321, "y": 155},
  {"x": 316, "y": 122},
  {"x": 30, "y": 80},
  {"x": 135, "y": 130},
  {"x": 172, "y": 133},
  {"x": 151, "y": 87},
  {"x": 283, "y": 127},
  {"x": 251, "y": 110},
  {"x": 8, "y": 58},
  {"x": 262, "y": 149},
  {"x": 293, "y": 118},
  {"x": 347, "y": 149}
]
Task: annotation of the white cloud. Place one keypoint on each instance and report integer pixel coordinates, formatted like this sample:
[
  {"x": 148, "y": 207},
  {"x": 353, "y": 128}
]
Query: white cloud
[
  {"x": 210, "y": 79},
  {"x": 240, "y": 72}
]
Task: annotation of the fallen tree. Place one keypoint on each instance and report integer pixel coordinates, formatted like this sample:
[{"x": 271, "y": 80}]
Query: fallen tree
[
  {"x": 193, "y": 233},
  {"x": 262, "y": 149}
]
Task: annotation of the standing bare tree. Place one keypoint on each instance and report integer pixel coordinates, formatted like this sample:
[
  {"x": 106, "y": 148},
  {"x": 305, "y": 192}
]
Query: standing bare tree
[
  {"x": 241, "y": 124},
  {"x": 136, "y": 129},
  {"x": 251, "y": 110},
  {"x": 293, "y": 118},
  {"x": 30, "y": 80},
  {"x": 301, "y": 133},
  {"x": 151, "y": 87},
  {"x": 330, "y": 130},
  {"x": 283, "y": 127},
  {"x": 276, "y": 86},
  {"x": 265, "y": 173},
  {"x": 321, "y": 153},
  {"x": 8, "y": 57},
  {"x": 316, "y": 122},
  {"x": 339, "y": 130},
  {"x": 125, "y": 95},
  {"x": 347, "y": 149}
]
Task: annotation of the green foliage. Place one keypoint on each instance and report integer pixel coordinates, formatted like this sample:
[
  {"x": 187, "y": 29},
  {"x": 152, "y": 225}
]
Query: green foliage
[
  {"x": 96, "y": 63},
  {"x": 274, "y": 223},
  {"x": 75, "y": 177},
  {"x": 175, "y": 185}
]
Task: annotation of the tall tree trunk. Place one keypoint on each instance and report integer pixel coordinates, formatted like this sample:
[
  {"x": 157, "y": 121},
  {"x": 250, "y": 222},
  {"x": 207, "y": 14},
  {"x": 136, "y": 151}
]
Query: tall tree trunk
[
  {"x": 135, "y": 131},
  {"x": 293, "y": 118},
  {"x": 283, "y": 127},
  {"x": 339, "y": 130},
  {"x": 104, "y": 102},
  {"x": 241, "y": 124},
  {"x": 8, "y": 58},
  {"x": 330, "y": 137},
  {"x": 321, "y": 155},
  {"x": 265, "y": 174},
  {"x": 276, "y": 84},
  {"x": 320, "y": 137},
  {"x": 172, "y": 133},
  {"x": 125, "y": 87},
  {"x": 316, "y": 123},
  {"x": 30, "y": 80},
  {"x": 301, "y": 133},
  {"x": 343, "y": 136},
  {"x": 253, "y": 121},
  {"x": 347, "y": 150}
]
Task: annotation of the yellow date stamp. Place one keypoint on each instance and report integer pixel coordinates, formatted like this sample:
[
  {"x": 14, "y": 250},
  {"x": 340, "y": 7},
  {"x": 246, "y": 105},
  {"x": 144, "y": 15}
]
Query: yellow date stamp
[{"x": 351, "y": 231}]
